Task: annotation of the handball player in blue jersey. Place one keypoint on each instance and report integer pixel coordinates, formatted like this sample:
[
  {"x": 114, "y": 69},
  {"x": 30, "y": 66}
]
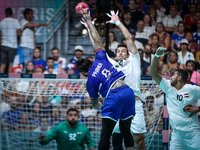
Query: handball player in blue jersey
[{"x": 105, "y": 80}]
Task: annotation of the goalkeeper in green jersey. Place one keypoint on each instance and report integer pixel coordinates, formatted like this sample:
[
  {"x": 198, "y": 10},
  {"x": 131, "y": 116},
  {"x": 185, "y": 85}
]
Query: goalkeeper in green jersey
[{"x": 70, "y": 134}]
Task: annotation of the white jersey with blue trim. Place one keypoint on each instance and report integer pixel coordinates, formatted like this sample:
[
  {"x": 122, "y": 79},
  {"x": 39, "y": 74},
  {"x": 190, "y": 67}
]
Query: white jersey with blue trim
[
  {"x": 102, "y": 75},
  {"x": 131, "y": 68},
  {"x": 176, "y": 101}
]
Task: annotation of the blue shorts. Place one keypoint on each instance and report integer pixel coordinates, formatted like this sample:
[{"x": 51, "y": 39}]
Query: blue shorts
[{"x": 119, "y": 104}]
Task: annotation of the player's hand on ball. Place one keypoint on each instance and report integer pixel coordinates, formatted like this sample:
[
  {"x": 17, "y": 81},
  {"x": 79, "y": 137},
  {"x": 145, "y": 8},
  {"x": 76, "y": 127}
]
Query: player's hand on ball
[
  {"x": 86, "y": 15},
  {"x": 42, "y": 137},
  {"x": 114, "y": 18}
]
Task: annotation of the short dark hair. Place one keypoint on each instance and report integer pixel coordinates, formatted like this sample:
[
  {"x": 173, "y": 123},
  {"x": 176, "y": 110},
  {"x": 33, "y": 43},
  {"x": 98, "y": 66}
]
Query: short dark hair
[
  {"x": 173, "y": 53},
  {"x": 72, "y": 109},
  {"x": 181, "y": 22},
  {"x": 83, "y": 65},
  {"x": 154, "y": 34},
  {"x": 49, "y": 58},
  {"x": 8, "y": 11},
  {"x": 183, "y": 73},
  {"x": 26, "y": 12},
  {"x": 43, "y": 69},
  {"x": 121, "y": 45},
  {"x": 160, "y": 24},
  {"x": 54, "y": 48}
]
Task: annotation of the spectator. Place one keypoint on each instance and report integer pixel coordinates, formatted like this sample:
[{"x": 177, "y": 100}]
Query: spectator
[
  {"x": 28, "y": 42},
  {"x": 164, "y": 38},
  {"x": 9, "y": 30},
  {"x": 118, "y": 33},
  {"x": 100, "y": 24},
  {"x": 148, "y": 56},
  {"x": 112, "y": 42},
  {"x": 141, "y": 36},
  {"x": 190, "y": 19},
  {"x": 154, "y": 18},
  {"x": 173, "y": 64},
  {"x": 90, "y": 58},
  {"x": 4, "y": 106},
  {"x": 40, "y": 70},
  {"x": 12, "y": 116},
  {"x": 78, "y": 51},
  {"x": 142, "y": 6},
  {"x": 192, "y": 46},
  {"x": 46, "y": 107},
  {"x": 136, "y": 15},
  {"x": 195, "y": 78},
  {"x": 24, "y": 123},
  {"x": 171, "y": 21},
  {"x": 49, "y": 71},
  {"x": 148, "y": 27},
  {"x": 59, "y": 62},
  {"x": 147, "y": 73},
  {"x": 194, "y": 26},
  {"x": 38, "y": 61},
  {"x": 44, "y": 125},
  {"x": 56, "y": 117},
  {"x": 30, "y": 67},
  {"x": 159, "y": 9},
  {"x": 182, "y": 8},
  {"x": 184, "y": 55},
  {"x": 127, "y": 22},
  {"x": 69, "y": 70},
  {"x": 74, "y": 134},
  {"x": 177, "y": 37},
  {"x": 50, "y": 64},
  {"x": 35, "y": 114},
  {"x": 196, "y": 34},
  {"x": 155, "y": 43},
  {"x": 189, "y": 77},
  {"x": 144, "y": 64}
]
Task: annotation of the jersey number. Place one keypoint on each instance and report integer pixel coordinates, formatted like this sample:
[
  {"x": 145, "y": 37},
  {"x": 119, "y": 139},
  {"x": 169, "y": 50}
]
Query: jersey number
[
  {"x": 72, "y": 137},
  {"x": 180, "y": 97}
]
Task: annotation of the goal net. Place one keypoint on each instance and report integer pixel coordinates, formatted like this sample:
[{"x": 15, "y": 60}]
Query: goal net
[{"x": 31, "y": 107}]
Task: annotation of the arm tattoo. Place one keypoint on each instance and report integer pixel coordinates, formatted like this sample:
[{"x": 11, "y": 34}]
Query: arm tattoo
[
  {"x": 86, "y": 18},
  {"x": 119, "y": 83}
]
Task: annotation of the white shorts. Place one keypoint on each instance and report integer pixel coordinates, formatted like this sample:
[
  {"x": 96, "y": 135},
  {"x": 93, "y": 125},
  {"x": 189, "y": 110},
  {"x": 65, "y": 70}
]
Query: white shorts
[
  {"x": 138, "y": 122},
  {"x": 185, "y": 140}
]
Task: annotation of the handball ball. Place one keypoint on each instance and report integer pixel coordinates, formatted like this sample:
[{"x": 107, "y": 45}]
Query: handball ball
[{"x": 81, "y": 6}]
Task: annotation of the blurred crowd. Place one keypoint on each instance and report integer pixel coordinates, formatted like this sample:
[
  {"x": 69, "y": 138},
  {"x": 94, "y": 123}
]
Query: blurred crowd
[{"x": 31, "y": 105}]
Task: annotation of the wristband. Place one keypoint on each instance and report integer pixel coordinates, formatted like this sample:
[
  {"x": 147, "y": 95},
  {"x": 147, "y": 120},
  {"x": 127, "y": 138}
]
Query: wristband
[
  {"x": 117, "y": 22},
  {"x": 157, "y": 55}
]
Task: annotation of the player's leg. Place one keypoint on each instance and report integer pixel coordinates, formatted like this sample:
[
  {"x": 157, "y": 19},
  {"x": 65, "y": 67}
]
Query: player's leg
[
  {"x": 11, "y": 55},
  {"x": 107, "y": 128},
  {"x": 124, "y": 126},
  {"x": 117, "y": 138},
  {"x": 3, "y": 59},
  {"x": 175, "y": 143},
  {"x": 139, "y": 141},
  {"x": 138, "y": 127}
]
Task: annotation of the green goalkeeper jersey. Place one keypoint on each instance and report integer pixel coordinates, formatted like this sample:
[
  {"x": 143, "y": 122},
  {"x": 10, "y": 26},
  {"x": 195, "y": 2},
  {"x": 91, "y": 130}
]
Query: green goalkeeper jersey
[{"x": 69, "y": 138}]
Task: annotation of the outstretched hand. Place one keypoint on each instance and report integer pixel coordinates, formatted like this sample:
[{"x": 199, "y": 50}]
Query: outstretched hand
[
  {"x": 193, "y": 109},
  {"x": 114, "y": 17},
  {"x": 161, "y": 51}
]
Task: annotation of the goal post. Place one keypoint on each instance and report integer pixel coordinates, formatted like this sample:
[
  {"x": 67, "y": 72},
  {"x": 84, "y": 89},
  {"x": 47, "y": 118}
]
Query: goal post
[{"x": 32, "y": 106}]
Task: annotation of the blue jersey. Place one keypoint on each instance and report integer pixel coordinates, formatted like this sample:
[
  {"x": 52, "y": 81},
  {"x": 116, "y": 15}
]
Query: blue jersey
[
  {"x": 196, "y": 37},
  {"x": 102, "y": 75}
]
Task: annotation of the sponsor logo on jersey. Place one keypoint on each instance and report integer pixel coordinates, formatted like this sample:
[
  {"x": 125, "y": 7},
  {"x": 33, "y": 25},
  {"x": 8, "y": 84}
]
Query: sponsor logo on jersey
[
  {"x": 97, "y": 69},
  {"x": 79, "y": 132},
  {"x": 186, "y": 95}
]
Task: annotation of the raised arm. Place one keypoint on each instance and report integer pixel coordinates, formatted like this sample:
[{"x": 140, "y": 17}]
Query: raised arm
[
  {"x": 94, "y": 36},
  {"x": 154, "y": 65},
  {"x": 130, "y": 43}
]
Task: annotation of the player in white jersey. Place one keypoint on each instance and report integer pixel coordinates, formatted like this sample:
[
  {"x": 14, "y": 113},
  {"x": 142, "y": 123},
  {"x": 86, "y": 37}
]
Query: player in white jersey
[
  {"x": 186, "y": 129},
  {"x": 129, "y": 63}
]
